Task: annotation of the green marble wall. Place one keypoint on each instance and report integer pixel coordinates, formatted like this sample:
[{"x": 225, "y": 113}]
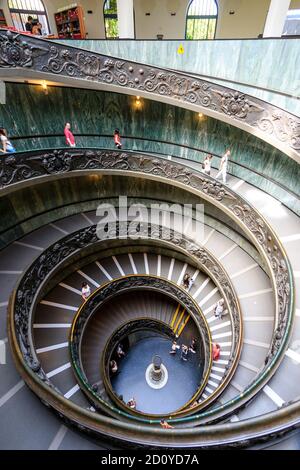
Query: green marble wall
[
  {"x": 52, "y": 200},
  {"x": 30, "y": 112},
  {"x": 254, "y": 62}
]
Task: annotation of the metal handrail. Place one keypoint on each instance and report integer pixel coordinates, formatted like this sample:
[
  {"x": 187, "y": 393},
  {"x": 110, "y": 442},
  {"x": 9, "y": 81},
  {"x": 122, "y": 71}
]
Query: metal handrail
[
  {"x": 81, "y": 319},
  {"x": 66, "y": 62},
  {"x": 261, "y": 235},
  {"x": 201, "y": 151}
]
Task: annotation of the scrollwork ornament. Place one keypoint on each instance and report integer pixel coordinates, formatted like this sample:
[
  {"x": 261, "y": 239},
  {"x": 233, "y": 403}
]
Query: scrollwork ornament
[
  {"x": 36, "y": 164},
  {"x": 250, "y": 218},
  {"x": 108, "y": 291},
  {"x": 57, "y": 162},
  {"x": 17, "y": 50}
]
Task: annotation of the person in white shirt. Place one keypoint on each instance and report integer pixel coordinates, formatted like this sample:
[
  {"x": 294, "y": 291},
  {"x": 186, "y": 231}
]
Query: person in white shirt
[
  {"x": 85, "y": 290},
  {"x": 132, "y": 403},
  {"x": 207, "y": 164},
  {"x": 187, "y": 281},
  {"x": 120, "y": 351},
  {"x": 219, "y": 309},
  {"x": 223, "y": 166},
  {"x": 113, "y": 366},
  {"x": 174, "y": 348}
]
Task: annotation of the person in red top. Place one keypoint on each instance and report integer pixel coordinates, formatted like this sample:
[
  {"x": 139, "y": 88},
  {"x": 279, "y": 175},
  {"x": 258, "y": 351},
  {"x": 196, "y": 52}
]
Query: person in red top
[
  {"x": 216, "y": 351},
  {"x": 70, "y": 139},
  {"x": 117, "y": 139}
]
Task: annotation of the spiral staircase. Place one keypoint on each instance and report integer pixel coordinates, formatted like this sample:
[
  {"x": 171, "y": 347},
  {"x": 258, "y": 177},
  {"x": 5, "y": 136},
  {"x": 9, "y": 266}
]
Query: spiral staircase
[{"x": 248, "y": 256}]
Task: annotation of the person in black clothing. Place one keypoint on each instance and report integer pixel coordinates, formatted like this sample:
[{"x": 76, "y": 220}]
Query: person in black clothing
[
  {"x": 28, "y": 25},
  {"x": 193, "y": 345},
  {"x": 184, "y": 352}
]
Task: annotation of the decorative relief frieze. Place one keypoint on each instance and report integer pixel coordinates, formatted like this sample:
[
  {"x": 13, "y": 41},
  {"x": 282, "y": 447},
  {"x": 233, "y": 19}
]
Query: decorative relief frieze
[
  {"x": 53, "y": 58},
  {"x": 22, "y": 167},
  {"x": 14, "y": 169}
]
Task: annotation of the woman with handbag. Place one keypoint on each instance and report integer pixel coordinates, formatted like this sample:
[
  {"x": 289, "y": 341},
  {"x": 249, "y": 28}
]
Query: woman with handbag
[{"x": 7, "y": 146}]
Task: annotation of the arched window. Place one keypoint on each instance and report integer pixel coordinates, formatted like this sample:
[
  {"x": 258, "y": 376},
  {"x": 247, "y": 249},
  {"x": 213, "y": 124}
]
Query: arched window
[
  {"x": 201, "y": 19},
  {"x": 110, "y": 12},
  {"x": 292, "y": 23},
  {"x": 21, "y": 9}
]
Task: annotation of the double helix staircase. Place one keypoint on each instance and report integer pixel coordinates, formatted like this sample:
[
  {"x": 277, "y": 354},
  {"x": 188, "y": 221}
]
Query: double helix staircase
[
  {"x": 253, "y": 238},
  {"x": 55, "y": 312}
]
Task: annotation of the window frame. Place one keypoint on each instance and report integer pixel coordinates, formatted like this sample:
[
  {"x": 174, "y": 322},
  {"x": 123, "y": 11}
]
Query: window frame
[
  {"x": 201, "y": 17},
  {"x": 114, "y": 16},
  {"x": 23, "y": 11},
  {"x": 110, "y": 16},
  {"x": 289, "y": 17}
]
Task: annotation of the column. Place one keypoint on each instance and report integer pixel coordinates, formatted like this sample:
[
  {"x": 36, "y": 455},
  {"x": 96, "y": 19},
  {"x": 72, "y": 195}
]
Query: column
[
  {"x": 125, "y": 19},
  {"x": 276, "y": 18}
]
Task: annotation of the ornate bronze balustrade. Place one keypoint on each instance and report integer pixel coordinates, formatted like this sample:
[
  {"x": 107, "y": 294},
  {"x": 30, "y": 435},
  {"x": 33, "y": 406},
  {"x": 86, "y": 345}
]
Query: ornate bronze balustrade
[
  {"x": 28, "y": 166},
  {"x": 21, "y": 167},
  {"x": 103, "y": 295},
  {"x": 57, "y": 61},
  {"x": 124, "y": 331},
  {"x": 60, "y": 163},
  {"x": 42, "y": 269}
]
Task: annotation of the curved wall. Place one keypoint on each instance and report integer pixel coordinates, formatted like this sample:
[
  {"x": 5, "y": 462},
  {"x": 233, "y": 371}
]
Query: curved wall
[
  {"x": 254, "y": 62},
  {"x": 51, "y": 200},
  {"x": 29, "y": 112}
]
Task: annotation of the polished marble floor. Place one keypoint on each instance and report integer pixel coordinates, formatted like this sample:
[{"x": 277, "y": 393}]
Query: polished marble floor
[{"x": 183, "y": 376}]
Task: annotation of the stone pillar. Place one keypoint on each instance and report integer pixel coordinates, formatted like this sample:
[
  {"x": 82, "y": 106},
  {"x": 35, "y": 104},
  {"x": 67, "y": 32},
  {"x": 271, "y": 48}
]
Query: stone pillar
[
  {"x": 156, "y": 372},
  {"x": 276, "y": 18},
  {"x": 125, "y": 19}
]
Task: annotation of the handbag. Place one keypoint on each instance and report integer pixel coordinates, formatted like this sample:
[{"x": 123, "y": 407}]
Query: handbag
[{"x": 10, "y": 148}]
